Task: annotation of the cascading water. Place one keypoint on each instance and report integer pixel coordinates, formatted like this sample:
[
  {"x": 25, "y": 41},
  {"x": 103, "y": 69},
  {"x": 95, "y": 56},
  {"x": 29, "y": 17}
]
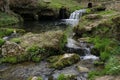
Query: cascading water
[
  {"x": 80, "y": 47},
  {"x": 75, "y": 17}
]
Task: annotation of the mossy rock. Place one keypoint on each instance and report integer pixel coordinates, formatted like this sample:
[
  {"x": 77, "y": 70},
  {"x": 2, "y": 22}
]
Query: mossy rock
[
  {"x": 49, "y": 43},
  {"x": 64, "y": 60}
]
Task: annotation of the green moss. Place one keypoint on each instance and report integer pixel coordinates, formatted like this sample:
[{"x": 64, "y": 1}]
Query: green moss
[
  {"x": 10, "y": 59},
  {"x": 63, "y": 62},
  {"x": 57, "y": 4},
  {"x": 5, "y": 32},
  {"x": 7, "y": 19},
  {"x": 16, "y": 40},
  {"x": 2, "y": 42}
]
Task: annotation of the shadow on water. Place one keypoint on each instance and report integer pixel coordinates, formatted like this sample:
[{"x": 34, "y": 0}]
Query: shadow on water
[{"x": 40, "y": 26}]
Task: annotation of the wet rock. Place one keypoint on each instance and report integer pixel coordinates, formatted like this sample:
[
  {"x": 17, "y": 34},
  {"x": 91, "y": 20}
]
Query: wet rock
[
  {"x": 82, "y": 69},
  {"x": 11, "y": 49}
]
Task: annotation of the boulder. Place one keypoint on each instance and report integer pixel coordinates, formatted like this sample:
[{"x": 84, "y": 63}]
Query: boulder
[
  {"x": 51, "y": 39},
  {"x": 83, "y": 69},
  {"x": 62, "y": 61},
  {"x": 11, "y": 49}
]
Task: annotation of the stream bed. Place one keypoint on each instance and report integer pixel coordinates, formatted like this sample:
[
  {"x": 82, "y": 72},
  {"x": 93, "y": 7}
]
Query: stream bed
[{"x": 24, "y": 70}]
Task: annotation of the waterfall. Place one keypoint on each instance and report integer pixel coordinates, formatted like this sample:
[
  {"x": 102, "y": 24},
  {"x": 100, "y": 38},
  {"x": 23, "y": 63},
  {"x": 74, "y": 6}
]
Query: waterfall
[
  {"x": 75, "y": 17},
  {"x": 77, "y": 14}
]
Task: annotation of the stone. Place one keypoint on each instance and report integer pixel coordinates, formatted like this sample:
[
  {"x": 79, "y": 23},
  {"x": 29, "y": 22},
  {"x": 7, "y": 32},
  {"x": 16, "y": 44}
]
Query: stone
[
  {"x": 11, "y": 49},
  {"x": 34, "y": 78},
  {"x": 64, "y": 60},
  {"x": 83, "y": 69},
  {"x": 50, "y": 39}
]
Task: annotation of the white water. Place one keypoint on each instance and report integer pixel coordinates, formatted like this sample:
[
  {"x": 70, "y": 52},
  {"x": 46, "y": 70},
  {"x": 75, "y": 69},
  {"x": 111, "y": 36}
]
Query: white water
[
  {"x": 73, "y": 21},
  {"x": 75, "y": 17}
]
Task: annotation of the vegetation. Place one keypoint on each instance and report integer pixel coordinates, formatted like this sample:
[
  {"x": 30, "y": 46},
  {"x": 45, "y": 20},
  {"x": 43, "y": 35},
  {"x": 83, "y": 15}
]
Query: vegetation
[
  {"x": 61, "y": 77},
  {"x": 56, "y": 4},
  {"x": 2, "y": 42},
  {"x": 16, "y": 40},
  {"x": 7, "y": 19}
]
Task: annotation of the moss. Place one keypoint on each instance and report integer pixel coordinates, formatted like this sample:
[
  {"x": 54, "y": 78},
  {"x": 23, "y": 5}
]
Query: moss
[
  {"x": 8, "y": 31},
  {"x": 2, "y": 42},
  {"x": 16, "y": 40},
  {"x": 7, "y": 19},
  {"x": 8, "y": 60},
  {"x": 57, "y": 4},
  {"x": 5, "y": 32},
  {"x": 62, "y": 62}
]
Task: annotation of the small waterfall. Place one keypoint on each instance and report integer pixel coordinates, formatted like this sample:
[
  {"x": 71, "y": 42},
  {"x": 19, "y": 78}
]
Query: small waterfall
[
  {"x": 77, "y": 14},
  {"x": 75, "y": 17}
]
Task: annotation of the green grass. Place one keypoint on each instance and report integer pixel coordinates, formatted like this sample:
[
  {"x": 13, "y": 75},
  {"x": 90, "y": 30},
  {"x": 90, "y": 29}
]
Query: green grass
[
  {"x": 7, "y": 19},
  {"x": 107, "y": 12},
  {"x": 56, "y": 4}
]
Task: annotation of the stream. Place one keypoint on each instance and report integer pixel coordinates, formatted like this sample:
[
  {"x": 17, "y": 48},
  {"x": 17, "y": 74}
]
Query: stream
[{"x": 22, "y": 71}]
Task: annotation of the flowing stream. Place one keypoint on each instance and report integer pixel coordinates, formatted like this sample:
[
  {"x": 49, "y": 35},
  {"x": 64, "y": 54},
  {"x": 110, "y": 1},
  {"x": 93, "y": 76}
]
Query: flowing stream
[{"x": 24, "y": 70}]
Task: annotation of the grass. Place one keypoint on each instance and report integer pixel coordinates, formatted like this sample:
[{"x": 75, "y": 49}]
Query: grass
[
  {"x": 7, "y": 19},
  {"x": 56, "y": 4}
]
